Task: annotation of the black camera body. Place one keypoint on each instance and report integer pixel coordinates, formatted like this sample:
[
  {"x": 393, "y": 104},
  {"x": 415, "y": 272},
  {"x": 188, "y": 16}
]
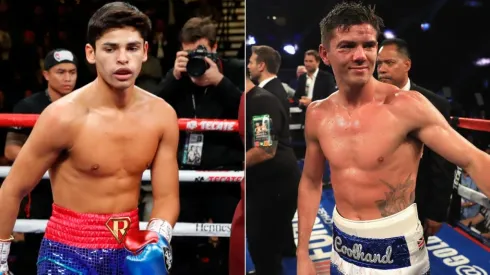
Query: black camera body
[{"x": 197, "y": 66}]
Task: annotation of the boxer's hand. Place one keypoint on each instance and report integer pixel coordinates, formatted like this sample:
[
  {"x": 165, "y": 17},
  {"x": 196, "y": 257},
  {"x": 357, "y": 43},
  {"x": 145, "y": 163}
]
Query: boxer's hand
[
  {"x": 4, "y": 254},
  {"x": 180, "y": 64},
  {"x": 431, "y": 227},
  {"x": 305, "y": 265},
  {"x": 151, "y": 253}
]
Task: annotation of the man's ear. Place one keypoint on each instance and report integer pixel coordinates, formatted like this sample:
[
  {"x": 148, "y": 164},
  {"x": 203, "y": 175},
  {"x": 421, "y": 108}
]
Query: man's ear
[
  {"x": 145, "y": 51},
  {"x": 90, "y": 53},
  {"x": 323, "y": 54}
]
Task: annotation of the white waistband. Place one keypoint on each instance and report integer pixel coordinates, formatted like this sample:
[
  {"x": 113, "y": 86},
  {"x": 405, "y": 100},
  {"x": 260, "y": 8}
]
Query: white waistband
[{"x": 402, "y": 223}]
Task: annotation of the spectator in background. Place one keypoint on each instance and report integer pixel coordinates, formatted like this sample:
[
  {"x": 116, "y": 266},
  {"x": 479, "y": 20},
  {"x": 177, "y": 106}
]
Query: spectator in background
[
  {"x": 263, "y": 65},
  {"x": 272, "y": 181},
  {"x": 60, "y": 72},
  {"x": 435, "y": 177},
  {"x": 215, "y": 94},
  {"x": 315, "y": 84},
  {"x": 151, "y": 74},
  {"x": 299, "y": 71},
  {"x": 481, "y": 222}
]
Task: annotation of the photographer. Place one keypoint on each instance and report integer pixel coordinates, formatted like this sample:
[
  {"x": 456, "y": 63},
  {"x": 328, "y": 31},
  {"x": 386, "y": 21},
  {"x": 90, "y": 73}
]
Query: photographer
[{"x": 203, "y": 85}]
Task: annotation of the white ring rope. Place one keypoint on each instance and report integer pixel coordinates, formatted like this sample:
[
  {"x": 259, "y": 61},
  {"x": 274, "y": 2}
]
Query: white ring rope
[
  {"x": 468, "y": 193},
  {"x": 184, "y": 175},
  {"x": 180, "y": 229}
]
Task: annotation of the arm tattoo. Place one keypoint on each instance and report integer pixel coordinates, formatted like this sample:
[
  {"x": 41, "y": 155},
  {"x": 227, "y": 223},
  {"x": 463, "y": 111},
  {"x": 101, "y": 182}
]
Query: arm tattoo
[
  {"x": 257, "y": 155},
  {"x": 15, "y": 139},
  {"x": 398, "y": 197}
]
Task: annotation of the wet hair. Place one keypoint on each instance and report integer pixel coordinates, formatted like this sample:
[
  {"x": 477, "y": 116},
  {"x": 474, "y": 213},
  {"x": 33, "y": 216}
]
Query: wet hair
[
  {"x": 313, "y": 53},
  {"x": 269, "y": 56},
  {"x": 345, "y": 15},
  {"x": 401, "y": 46},
  {"x": 117, "y": 15},
  {"x": 198, "y": 28}
]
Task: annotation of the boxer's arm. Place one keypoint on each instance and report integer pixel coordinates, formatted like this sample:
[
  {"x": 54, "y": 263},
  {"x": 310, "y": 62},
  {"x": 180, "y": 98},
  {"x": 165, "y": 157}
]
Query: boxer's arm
[
  {"x": 310, "y": 185},
  {"x": 432, "y": 129},
  {"x": 165, "y": 170},
  {"x": 48, "y": 138}
]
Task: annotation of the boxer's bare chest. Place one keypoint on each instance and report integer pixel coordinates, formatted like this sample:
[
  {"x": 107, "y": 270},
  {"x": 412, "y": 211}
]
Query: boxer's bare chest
[
  {"x": 364, "y": 138},
  {"x": 115, "y": 143}
]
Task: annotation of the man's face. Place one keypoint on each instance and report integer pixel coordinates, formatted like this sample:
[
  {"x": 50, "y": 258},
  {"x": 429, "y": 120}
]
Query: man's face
[
  {"x": 392, "y": 66},
  {"x": 255, "y": 68},
  {"x": 62, "y": 78},
  {"x": 352, "y": 54},
  {"x": 118, "y": 56},
  {"x": 310, "y": 63},
  {"x": 202, "y": 41}
]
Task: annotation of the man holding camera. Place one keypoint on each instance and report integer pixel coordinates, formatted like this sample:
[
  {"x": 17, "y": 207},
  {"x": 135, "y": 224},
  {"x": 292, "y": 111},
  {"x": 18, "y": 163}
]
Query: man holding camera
[{"x": 203, "y": 85}]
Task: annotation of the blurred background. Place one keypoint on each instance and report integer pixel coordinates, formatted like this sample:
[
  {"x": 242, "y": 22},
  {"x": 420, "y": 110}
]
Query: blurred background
[{"x": 448, "y": 41}]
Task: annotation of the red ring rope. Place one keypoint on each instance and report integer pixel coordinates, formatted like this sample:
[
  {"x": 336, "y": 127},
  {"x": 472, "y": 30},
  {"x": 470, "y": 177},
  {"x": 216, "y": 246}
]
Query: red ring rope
[
  {"x": 473, "y": 123},
  {"x": 28, "y": 120}
]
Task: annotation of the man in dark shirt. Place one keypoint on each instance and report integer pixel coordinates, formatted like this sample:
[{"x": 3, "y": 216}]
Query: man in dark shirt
[
  {"x": 60, "y": 72},
  {"x": 272, "y": 180}
]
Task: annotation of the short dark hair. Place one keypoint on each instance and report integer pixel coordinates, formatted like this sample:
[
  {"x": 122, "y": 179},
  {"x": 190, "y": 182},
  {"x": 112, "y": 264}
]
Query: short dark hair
[
  {"x": 269, "y": 56},
  {"x": 347, "y": 14},
  {"x": 401, "y": 45},
  {"x": 117, "y": 15},
  {"x": 314, "y": 53},
  {"x": 198, "y": 28}
]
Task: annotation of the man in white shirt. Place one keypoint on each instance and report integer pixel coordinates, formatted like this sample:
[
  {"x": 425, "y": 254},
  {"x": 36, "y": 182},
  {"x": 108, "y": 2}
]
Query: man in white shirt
[
  {"x": 264, "y": 64},
  {"x": 315, "y": 84}
]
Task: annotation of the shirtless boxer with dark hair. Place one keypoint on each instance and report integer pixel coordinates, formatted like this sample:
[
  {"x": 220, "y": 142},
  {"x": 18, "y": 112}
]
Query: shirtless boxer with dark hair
[
  {"x": 372, "y": 135},
  {"x": 96, "y": 143}
]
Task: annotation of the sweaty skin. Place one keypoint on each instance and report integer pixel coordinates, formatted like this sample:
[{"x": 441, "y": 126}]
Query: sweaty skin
[
  {"x": 373, "y": 157},
  {"x": 96, "y": 155}
]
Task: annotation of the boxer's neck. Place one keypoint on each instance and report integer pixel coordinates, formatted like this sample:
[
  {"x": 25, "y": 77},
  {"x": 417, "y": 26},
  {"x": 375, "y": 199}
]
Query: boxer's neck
[
  {"x": 113, "y": 98},
  {"x": 355, "y": 96}
]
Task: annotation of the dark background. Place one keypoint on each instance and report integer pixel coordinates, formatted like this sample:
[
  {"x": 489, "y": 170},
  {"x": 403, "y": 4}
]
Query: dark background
[{"x": 442, "y": 56}]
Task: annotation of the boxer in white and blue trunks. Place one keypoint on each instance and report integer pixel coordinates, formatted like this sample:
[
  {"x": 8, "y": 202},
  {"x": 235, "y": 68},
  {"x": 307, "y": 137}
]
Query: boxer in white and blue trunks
[{"x": 372, "y": 135}]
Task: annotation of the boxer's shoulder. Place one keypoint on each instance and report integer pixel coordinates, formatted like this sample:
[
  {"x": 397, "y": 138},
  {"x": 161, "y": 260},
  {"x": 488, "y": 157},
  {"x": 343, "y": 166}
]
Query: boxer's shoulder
[
  {"x": 321, "y": 106},
  {"x": 64, "y": 111}
]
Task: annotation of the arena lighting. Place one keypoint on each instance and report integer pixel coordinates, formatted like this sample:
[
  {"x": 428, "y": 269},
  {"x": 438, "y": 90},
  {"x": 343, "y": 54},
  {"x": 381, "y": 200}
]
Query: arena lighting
[
  {"x": 425, "y": 26},
  {"x": 389, "y": 34},
  {"x": 290, "y": 49},
  {"x": 473, "y": 3},
  {"x": 482, "y": 62},
  {"x": 251, "y": 40}
]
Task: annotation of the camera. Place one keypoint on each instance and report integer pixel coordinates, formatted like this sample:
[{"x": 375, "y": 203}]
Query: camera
[{"x": 197, "y": 66}]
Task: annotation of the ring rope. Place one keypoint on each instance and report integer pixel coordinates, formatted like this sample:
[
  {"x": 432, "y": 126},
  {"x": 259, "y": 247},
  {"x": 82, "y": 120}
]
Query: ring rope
[
  {"x": 189, "y": 124},
  {"x": 180, "y": 229},
  {"x": 184, "y": 175}
]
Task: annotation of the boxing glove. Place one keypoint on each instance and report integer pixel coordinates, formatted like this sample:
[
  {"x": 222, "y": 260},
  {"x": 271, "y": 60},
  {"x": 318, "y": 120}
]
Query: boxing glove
[
  {"x": 151, "y": 251},
  {"x": 4, "y": 255}
]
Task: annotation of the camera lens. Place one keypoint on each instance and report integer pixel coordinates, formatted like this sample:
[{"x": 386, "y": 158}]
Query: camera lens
[{"x": 196, "y": 67}]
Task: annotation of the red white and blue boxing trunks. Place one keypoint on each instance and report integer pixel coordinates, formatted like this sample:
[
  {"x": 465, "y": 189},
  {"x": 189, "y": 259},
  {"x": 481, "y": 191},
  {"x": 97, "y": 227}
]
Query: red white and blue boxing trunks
[{"x": 85, "y": 244}]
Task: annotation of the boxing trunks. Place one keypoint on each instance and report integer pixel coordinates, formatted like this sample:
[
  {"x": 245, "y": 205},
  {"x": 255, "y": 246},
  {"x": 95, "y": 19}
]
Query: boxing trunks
[
  {"x": 390, "y": 245},
  {"x": 85, "y": 244}
]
